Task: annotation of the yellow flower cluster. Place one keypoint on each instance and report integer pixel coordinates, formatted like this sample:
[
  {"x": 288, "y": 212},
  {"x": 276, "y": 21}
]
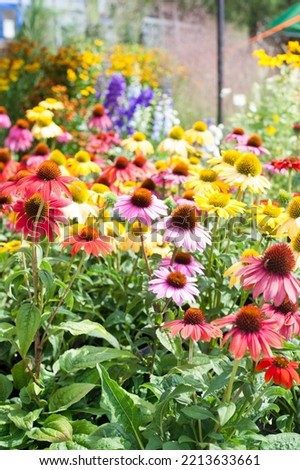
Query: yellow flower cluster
[{"x": 291, "y": 57}]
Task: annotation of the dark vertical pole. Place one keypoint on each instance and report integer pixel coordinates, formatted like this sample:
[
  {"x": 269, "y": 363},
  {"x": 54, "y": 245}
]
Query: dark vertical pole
[{"x": 220, "y": 41}]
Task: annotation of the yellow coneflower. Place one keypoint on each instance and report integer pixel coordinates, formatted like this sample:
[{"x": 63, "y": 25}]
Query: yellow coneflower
[
  {"x": 221, "y": 204},
  {"x": 206, "y": 179},
  {"x": 268, "y": 216},
  {"x": 138, "y": 143},
  {"x": 80, "y": 208},
  {"x": 81, "y": 164},
  {"x": 175, "y": 143},
  {"x": 291, "y": 224},
  {"x": 199, "y": 134}
]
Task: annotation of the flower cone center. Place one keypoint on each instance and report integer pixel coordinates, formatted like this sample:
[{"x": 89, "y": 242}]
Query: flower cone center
[
  {"x": 248, "y": 165},
  {"x": 184, "y": 217},
  {"x": 141, "y": 197},
  {"x": 5, "y": 156},
  {"x": 296, "y": 243},
  {"x": 189, "y": 195},
  {"x": 281, "y": 362},
  {"x": 88, "y": 233},
  {"x": 41, "y": 149},
  {"x": 254, "y": 141},
  {"x": 82, "y": 156},
  {"x": 148, "y": 183},
  {"x": 177, "y": 280},
  {"x": 98, "y": 110},
  {"x": 139, "y": 136},
  {"x": 208, "y": 176},
  {"x": 79, "y": 191},
  {"x": 294, "y": 208},
  {"x": 231, "y": 156},
  {"x": 181, "y": 169},
  {"x": 183, "y": 258},
  {"x": 176, "y": 133},
  {"x": 22, "y": 124},
  {"x": 193, "y": 316},
  {"x": 121, "y": 163},
  {"x": 238, "y": 131},
  {"x": 249, "y": 319},
  {"x": 279, "y": 259},
  {"x": 48, "y": 171},
  {"x": 32, "y": 207},
  {"x": 287, "y": 307},
  {"x": 200, "y": 126},
  {"x": 139, "y": 161}
]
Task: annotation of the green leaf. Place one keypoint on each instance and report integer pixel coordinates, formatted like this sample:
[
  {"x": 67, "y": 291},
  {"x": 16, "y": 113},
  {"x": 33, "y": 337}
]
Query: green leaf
[
  {"x": 64, "y": 397},
  {"x": 90, "y": 328},
  {"x": 27, "y": 324},
  {"x": 20, "y": 375},
  {"x": 56, "y": 428},
  {"x": 225, "y": 412},
  {"x": 23, "y": 420},
  {"x": 283, "y": 441},
  {"x": 6, "y": 387},
  {"x": 171, "y": 344},
  {"x": 6, "y": 331},
  {"x": 88, "y": 357},
  {"x": 120, "y": 407},
  {"x": 198, "y": 412}
]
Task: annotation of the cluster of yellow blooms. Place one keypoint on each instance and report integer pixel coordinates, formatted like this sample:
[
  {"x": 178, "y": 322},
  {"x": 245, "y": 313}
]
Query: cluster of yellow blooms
[{"x": 290, "y": 57}]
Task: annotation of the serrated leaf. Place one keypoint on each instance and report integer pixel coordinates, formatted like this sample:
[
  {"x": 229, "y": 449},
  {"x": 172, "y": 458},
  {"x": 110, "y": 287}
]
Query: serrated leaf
[
  {"x": 64, "y": 397},
  {"x": 88, "y": 357},
  {"x": 90, "y": 328},
  {"x": 56, "y": 428},
  {"x": 120, "y": 407},
  {"x": 27, "y": 323},
  {"x": 6, "y": 387},
  {"x": 225, "y": 412}
]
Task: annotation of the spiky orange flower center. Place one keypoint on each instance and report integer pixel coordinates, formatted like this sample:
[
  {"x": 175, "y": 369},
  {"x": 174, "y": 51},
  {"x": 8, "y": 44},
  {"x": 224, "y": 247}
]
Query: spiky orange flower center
[
  {"x": 294, "y": 208},
  {"x": 176, "y": 133},
  {"x": 281, "y": 362},
  {"x": 3, "y": 110},
  {"x": 254, "y": 141},
  {"x": 48, "y": 171},
  {"x": 148, "y": 183},
  {"x": 98, "y": 110},
  {"x": 296, "y": 243},
  {"x": 22, "y": 124},
  {"x": 189, "y": 195},
  {"x": 193, "y": 316},
  {"x": 139, "y": 161},
  {"x": 181, "y": 169},
  {"x": 238, "y": 131},
  {"x": 279, "y": 259},
  {"x": 184, "y": 217},
  {"x": 103, "y": 180},
  {"x": 41, "y": 149},
  {"x": 121, "y": 163},
  {"x": 139, "y": 136},
  {"x": 176, "y": 279},
  {"x": 141, "y": 197},
  {"x": 249, "y": 319},
  {"x": 200, "y": 126},
  {"x": 287, "y": 307},
  {"x": 35, "y": 206},
  {"x": 5, "y": 156},
  {"x": 209, "y": 176},
  {"x": 88, "y": 233},
  {"x": 248, "y": 164},
  {"x": 183, "y": 258},
  {"x": 5, "y": 199}
]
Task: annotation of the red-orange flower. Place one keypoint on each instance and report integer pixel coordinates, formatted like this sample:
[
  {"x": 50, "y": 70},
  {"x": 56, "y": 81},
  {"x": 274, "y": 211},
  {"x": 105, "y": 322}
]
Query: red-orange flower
[
  {"x": 88, "y": 239},
  {"x": 280, "y": 370}
]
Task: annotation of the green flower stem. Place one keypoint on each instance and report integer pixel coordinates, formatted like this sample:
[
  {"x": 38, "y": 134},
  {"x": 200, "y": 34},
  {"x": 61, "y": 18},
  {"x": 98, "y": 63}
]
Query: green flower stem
[
  {"x": 67, "y": 290},
  {"x": 228, "y": 392},
  {"x": 37, "y": 342},
  {"x": 213, "y": 240},
  {"x": 191, "y": 351},
  {"x": 144, "y": 251}
]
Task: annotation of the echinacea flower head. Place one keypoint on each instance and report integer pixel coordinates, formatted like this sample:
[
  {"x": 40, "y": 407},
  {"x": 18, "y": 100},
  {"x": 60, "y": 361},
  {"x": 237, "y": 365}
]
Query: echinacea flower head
[
  {"x": 38, "y": 217},
  {"x": 87, "y": 238},
  {"x": 99, "y": 119},
  {"x": 80, "y": 208},
  {"x": 223, "y": 205},
  {"x": 185, "y": 263},
  {"x": 175, "y": 143},
  {"x": 178, "y": 175},
  {"x": 173, "y": 285},
  {"x": 11, "y": 246},
  {"x": 288, "y": 163},
  {"x": 291, "y": 224},
  {"x": 121, "y": 170},
  {"x": 271, "y": 275},
  {"x": 227, "y": 157},
  {"x": 269, "y": 216},
  {"x": 237, "y": 135},
  {"x": 199, "y": 134},
  {"x": 246, "y": 174},
  {"x": 46, "y": 179},
  {"x": 183, "y": 230},
  {"x": 204, "y": 180},
  {"x": 232, "y": 271},
  {"x": 279, "y": 369},
  {"x": 193, "y": 325},
  {"x": 141, "y": 205},
  {"x": 19, "y": 138},
  {"x": 138, "y": 143},
  {"x": 51, "y": 103},
  {"x": 132, "y": 239},
  {"x": 5, "y": 121},
  {"x": 250, "y": 331},
  {"x": 287, "y": 315},
  {"x": 295, "y": 246},
  {"x": 254, "y": 145},
  {"x": 81, "y": 164}
]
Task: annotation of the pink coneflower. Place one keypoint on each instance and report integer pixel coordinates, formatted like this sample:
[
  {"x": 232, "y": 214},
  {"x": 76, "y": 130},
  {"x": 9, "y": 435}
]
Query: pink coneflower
[
  {"x": 19, "y": 138},
  {"x": 271, "y": 275},
  {"x": 37, "y": 217},
  {"x": 287, "y": 316},
  {"x": 280, "y": 370},
  {"x": 160, "y": 177},
  {"x": 5, "y": 122},
  {"x": 141, "y": 205},
  {"x": 144, "y": 168},
  {"x": 182, "y": 229},
  {"x": 46, "y": 179},
  {"x": 99, "y": 119},
  {"x": 185, "y": 263},
  {"x": 237, "y": 135},
  {"x": 8, "y": 166},
  {"x": 253, "y": 145},
  {"x": 188, "y": 197},
  {"x": 122, "y": 170},
  {"x": 89, "y": 240},
  {"x": 39, "y": 154},
  {"x": 174, "y": 285},
  {"x": 178, "y": 175},
  {"x": 250, "y": 331},
  {"x": 103, "y": 142},
  {"x": 194, "y": 326},
  {"x": 11, "y": 186},
  {"x": 65, "y": 137}
]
